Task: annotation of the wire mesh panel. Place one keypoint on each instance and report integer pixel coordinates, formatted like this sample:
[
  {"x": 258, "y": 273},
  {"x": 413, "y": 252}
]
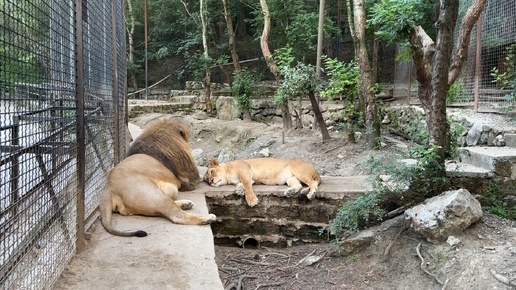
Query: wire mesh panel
[
  {"x": 488, "y": 53},
  {"x": 39, "y": 141},
  {"x": 498, "y": 38},
  {"x": 98, "y": 97}
]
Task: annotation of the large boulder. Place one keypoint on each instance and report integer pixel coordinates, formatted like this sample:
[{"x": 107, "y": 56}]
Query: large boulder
[
  {"x": 447, "y": 214},
  {"x": 226, "y": 108}
]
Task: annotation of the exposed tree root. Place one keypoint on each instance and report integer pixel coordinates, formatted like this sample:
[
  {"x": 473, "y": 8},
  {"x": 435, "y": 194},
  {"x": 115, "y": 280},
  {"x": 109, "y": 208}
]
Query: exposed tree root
[
  {"x": 388, "y": 249},
  {"x": 423, "y": 266},
  {"x": 504, "y": 279}
]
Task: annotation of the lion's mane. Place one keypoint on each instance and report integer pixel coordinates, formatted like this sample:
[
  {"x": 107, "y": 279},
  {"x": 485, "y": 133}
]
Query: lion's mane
[{"x": 167, "y": 141}]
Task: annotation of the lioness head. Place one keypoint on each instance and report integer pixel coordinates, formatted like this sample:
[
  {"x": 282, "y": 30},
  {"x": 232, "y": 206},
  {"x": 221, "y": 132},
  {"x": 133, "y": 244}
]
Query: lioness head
[{"x": 215, "y": 175}]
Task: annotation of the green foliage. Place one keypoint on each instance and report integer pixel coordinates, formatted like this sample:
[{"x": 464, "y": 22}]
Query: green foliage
[
  {"x": 297, "y": 81},
  {"x": 283, "y": 56},
  {"x": 23, "y": 42},
  {"x": 457, "y": 128},
  {"x": 344, "y": 82},
  {"x": 456, "y": 89},
  {"x": 242, "y": 88},
  {"x": 397, "y": 18},
  {"x": 508, "y": 78},
  {"x": 343, "y": 79},
  {"x": 295, "y": 23},
  {"x": 394, "y": 185},
  {"x": 495, "y": 202}
]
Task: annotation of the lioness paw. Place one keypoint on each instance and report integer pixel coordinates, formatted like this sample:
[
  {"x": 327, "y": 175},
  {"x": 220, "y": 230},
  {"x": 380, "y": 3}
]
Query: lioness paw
[
  {"x": 252, "y": 201},
  {"x": 209, "y": 219},
  {"x": 312, "y": 194},
  {"x": 289, "y": 191},
  {"x": 239, "y": 189}
]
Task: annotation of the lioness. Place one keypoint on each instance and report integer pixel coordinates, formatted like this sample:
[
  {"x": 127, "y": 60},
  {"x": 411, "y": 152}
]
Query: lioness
[
  {"x": 159, "y": 163},
  {"x": 268, "y": 171}
]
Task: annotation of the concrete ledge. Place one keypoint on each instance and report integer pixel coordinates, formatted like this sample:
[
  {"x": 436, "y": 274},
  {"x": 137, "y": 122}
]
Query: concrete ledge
[
  {"x": 171, "y": 257},
  {"x": 279, "y": 220}
]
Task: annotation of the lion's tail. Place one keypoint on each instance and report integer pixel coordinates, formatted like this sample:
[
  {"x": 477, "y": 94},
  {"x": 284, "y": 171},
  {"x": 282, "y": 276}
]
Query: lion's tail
[{"x": 106, "y": 214}]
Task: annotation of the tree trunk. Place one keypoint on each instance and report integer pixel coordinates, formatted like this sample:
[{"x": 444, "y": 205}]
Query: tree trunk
[
  {"x": 371, "y": 115},
  {"x": 231, "y": 35},
  {"x": 374, "y": 62},
  {"x": 439, "y": 136},
  {"x": 320, "y": 32},
  {"x": 264, "y": 44},
  {"x": 361, "y": 105},
  {"x": 437, "y": 68},
  {"x": 207, "y": 77},
  {"x": 246, "y": 115},
  {"x": 319, "y": 117},
  {"x": 130, "y": 40}
]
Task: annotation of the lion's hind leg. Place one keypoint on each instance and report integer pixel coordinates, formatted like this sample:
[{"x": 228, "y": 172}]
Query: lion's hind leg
[
  {"x": 313, "y": 184},
  {"x": 184, "y": 218},
  {"x": 294, "y": 185},
  {"x": 311, "y": 190}
]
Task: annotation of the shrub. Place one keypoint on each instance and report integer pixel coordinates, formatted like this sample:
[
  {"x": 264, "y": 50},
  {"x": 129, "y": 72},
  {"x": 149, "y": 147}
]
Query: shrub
[{"x": 394, "y": 185}]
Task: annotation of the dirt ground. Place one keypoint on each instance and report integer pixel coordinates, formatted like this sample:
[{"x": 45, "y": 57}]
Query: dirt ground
[{"x": 485, "y": 257}]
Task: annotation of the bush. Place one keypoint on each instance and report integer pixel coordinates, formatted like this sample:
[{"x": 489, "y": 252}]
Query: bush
[
  {"x": 242, "y": 88},
  {"x": 394, "y": 185}
]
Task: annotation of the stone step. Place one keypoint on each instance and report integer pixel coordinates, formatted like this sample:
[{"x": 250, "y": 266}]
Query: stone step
[
  {"x": 189, "y": 99},
  {"x": 500, "y": 160},
  {"x": 165, "y": 107},
  {"x": 510, "y": 139},
  {"x": 460, "y": 169},
  {"x": 278, "y": 220}
]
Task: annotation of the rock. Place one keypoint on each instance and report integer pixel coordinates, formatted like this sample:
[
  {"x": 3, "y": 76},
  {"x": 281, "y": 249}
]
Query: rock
[
  {"x": 356, "y": 242},
  {"x": 449, "y": 213},
  {"x": 452, "y": 241},
  {"x": 499, "y": 141},
  {"x": 225, "y": 155},
  {"x": 474, "y": 134},
  {"x": 264, "y": 152},
  {"x": 226, "y": 108},
  {"x": 201, "y": 159}
]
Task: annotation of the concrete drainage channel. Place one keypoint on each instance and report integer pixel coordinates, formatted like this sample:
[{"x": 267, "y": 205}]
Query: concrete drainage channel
[{"x": 278, "y": 221}]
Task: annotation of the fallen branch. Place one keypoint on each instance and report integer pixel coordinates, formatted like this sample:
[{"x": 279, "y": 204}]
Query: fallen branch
[
  {"x": 423, "y": 265},
  {"x": 252, "y": 262},
  {"x": 331, "y": 149},
  {"x": 239, "y": 285},
  {"x": 268, "y": 285},
  {"x": 503, "y": 279},
  {"x": 402, "y": 135},
  {"x": 300, "y": 261},
  {"x": 397, "y": 211}
]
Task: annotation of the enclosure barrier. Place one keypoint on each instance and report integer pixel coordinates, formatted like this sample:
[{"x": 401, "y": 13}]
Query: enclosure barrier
[
  {"x": 62, "y": 127},
  {"x": 491, "y": 40}
]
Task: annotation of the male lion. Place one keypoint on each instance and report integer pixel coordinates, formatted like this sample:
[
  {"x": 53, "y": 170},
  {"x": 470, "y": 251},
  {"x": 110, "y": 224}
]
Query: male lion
[
  {"x": 159, "y": 163},
  {"x": 268, "y": 171}
]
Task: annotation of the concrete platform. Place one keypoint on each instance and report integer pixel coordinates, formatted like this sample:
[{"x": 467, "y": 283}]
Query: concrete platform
[{"x": 171, "y": 257}]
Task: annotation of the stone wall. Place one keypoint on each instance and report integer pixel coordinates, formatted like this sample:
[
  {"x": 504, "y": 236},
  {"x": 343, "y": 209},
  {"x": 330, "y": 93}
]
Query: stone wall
[{"x": 410, "y": 121}]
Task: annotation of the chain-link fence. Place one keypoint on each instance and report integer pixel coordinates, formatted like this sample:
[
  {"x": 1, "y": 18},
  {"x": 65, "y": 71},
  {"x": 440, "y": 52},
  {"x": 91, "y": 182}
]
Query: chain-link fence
[
  {"x": 62, "y": 90},
  {"x": 489, "y": 55}
]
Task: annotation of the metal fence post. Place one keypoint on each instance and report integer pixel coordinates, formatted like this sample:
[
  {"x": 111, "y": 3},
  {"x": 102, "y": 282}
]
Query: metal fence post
[
  {"x": 116, "y": 114},
  {"x": 81, "y": 141}
]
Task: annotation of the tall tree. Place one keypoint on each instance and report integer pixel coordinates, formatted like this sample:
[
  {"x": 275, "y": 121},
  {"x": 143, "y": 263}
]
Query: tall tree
[
  {"x": 207, "y": 77},
  {"x": 264, "y": 44},
  {"x": 437, "y": 66},
  {"x": 130, "y": 40},
  {"x": 371, "y": 111},
  {"x": 234, "y": 55}
]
